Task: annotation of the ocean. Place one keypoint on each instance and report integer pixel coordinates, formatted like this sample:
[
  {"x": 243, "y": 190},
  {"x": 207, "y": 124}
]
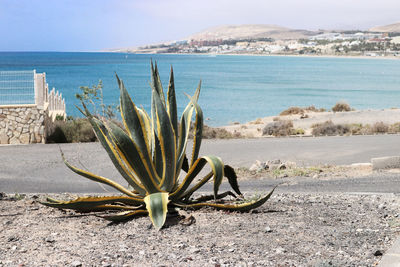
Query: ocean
[{"x": 235, "y": 88}]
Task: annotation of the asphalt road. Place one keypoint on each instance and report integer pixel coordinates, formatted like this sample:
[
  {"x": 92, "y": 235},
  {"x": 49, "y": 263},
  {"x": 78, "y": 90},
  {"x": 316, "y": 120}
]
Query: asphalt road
[{"x": 39, "y": 169}]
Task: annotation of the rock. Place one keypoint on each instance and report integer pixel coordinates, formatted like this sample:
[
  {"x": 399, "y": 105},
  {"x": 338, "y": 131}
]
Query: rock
[
  {"x": 282, "y": 166},
  {"x": 267, "y": 229},
  {"x": 50, "y": 239},
  {"x": 76, "y": 263},
  {"x": 273, "y": 166},
  {"x": 12, "y": 239},
  {"x": 274, "y": 161},
  {"x": 4, "y": 139},
  {"x": 187, "y": 221},
  {"x": 280, "y": 250},
  {"x": 24, "y": 138},
  {"x": 258, "y": 166},
  {"x": 14, "y": 141},
  {"x": 253, "y": 167}
]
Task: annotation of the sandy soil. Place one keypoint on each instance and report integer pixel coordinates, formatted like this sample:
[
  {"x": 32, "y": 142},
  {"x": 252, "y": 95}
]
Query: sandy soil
[
  {"x": 289, "y": 230},
  {"x": 254, "y": 128}
]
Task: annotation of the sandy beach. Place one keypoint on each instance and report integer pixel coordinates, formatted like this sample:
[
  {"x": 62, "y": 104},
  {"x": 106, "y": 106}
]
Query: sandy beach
[{"x": 254, "y": 129}]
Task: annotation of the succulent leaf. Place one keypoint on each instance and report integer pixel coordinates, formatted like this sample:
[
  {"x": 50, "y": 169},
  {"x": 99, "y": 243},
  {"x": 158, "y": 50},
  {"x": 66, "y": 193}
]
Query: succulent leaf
[
  {"x": 229, "y": 173},
  {"x": 166, "y": 137},
  {"x": 156, "y": 82},
  {"x": 124, "y": 216},
  {"x": 98, "y": 178},
  {"x": 102, "y": 133},
  {"x": 171, "y": 104},
  {"x": 134, "y": 158},
  {"x": 232, "y": 207},
  {"x": 198, "y": 126},
  {"x": 157, "y": 206}
]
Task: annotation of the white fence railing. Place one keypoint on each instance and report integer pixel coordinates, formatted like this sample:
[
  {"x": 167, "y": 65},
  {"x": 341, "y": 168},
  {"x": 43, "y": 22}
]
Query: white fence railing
[{"x": 52, "y": 101}]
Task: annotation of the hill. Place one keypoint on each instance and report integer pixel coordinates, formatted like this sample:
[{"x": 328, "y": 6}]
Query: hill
[
  {"x": 395, "y": 27},
  {"x": 250, "y": 31}
]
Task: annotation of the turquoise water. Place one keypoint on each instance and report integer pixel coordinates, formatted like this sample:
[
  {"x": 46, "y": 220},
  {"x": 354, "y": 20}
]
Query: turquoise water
[{"x": 234, "y": 88}]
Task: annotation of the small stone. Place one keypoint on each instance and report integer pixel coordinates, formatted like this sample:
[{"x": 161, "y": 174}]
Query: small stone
[
  {"x": 76, "y": 263},
  {"x": 280, "y": 250},
  {"x": 282, "y": 166},
  {"x": 50, "y": 239},
  {"x": 12, "y": 239},
  {"x": 194, "y": 250},
  {"x": 381, "y": 206},
  {"x": 253, "y": 167},
  {"x": 267, "y": 229},
  {"x": 378, "y": 253}
]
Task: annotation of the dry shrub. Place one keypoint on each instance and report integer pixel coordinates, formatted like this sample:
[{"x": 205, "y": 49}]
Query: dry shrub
[
  {"x": 257, "y": 121},
  {"x": 394, "y": 128},
  {"x": 380, "y": 127},
  {"x": 314, "y": 109},
  {"x": 279, "y": 128},
  {"x": 216, "y": 133},
  {"x": 356, "y": 129},
  {"x": 329, "y": 128},
  {"x": 341, "y": 107},
  {"x": 299, "y": 110},
  {"x": 299, "y": 131},
  {"x": 276, "y": 119},
  {"x": 292, "y": 111},
  {"x": 72, "y": 131}
]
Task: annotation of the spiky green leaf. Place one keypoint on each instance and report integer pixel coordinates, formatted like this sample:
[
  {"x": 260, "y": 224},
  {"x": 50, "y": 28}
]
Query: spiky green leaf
[
  {"x": 166, "y": 137},
  {"x": 157, "y": 206},
  {"x": 232, "y": 207}
]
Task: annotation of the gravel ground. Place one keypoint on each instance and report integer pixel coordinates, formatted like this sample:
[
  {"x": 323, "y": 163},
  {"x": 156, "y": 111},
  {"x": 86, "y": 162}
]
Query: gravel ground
[{"x": 289, "y": 230}]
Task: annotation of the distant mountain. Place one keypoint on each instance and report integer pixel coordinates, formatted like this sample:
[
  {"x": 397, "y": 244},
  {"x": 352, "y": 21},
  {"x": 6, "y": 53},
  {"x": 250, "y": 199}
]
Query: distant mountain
[
  {"x": 250, "y": 31},
  {"x": 395, "y": 27}
]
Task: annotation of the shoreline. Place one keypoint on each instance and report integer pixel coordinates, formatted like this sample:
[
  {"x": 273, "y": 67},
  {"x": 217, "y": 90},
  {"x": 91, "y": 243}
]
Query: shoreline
[{"x": 264, "y": 55}]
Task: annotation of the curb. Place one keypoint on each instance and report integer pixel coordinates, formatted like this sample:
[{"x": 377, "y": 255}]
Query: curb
[
  {"x": 385, "y": 163},
  {"x": 392, "y": 257}
]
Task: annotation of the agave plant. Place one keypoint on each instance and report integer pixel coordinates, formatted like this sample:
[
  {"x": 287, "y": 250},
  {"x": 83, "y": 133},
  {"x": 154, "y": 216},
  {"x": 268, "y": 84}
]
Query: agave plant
[{"x": 150, "y": 154}]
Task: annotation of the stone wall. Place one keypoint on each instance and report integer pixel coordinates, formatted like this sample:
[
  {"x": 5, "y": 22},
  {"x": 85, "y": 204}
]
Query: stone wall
[{"x": 22, "y": 125}]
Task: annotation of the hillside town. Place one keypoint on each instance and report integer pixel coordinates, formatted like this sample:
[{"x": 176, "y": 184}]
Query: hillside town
[{"x": 351, "y": 43}]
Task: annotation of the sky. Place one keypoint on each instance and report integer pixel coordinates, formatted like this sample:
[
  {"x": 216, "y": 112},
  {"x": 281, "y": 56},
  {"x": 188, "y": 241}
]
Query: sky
[{"x": 95, "y": 25}]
